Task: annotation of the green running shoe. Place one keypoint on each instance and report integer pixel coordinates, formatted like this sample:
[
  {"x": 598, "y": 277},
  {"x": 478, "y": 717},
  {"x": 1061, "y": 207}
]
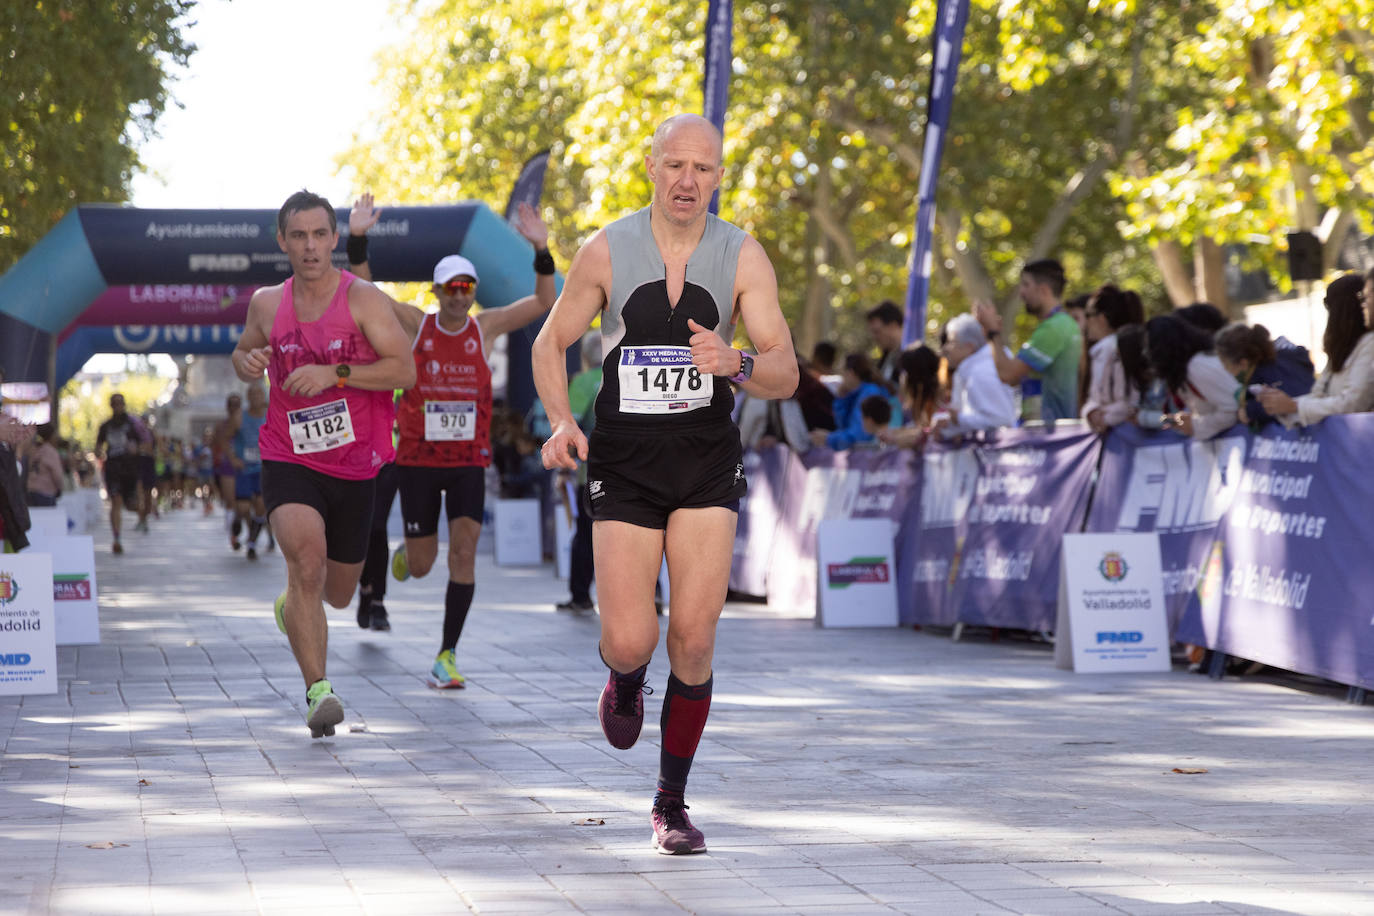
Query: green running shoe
[
  {"x": 279, "y": 608},
  {"x": 325, "y": 709},
  {"x": 400, "y": 569},
  {"x": 445, "y": 674}
]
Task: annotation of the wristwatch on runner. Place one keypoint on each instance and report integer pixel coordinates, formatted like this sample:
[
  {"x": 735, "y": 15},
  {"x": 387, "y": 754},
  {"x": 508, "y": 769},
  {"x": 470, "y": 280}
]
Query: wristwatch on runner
[
  {"x": 746, "y": 368},
  {"x": 342, "y": 371}
]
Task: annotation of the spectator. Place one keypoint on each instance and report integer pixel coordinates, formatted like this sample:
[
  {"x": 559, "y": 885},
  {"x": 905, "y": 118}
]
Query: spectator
[
  {"x": 978, "y": 399},
  {"x": 44, "y": 483},
  {"x": 823, "y": 365},
  {"x": 1203, "y": 315},
  {"x": 1181, "y": 355},
  {"x": 1077, "y": 308},
  {"x": 859, "y": 381},
  {"x": 1346, "y": 385},
  {"x": 815, "y": 397},
  {"x": 885, "y": 327},
  {"x": 582, "y": 391},
  {"x": 1111, "y": 398},
  {"x": 1046, "y": 367},
  {"x": 1156, "y": 402},
  {"x": 764, "y": 423},
  {"x": 1249, "y": 355},
  {"x": 876, "y": 411},
  {"x": 920, "y": 396},
  {"x": 14, "y": 510}
]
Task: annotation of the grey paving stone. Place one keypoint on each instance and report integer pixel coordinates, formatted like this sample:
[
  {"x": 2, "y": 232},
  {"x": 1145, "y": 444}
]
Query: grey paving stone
[{"x": 842, "y": 770}]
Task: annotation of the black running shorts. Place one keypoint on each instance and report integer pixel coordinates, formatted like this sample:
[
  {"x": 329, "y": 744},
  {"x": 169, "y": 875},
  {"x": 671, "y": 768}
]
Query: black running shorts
[
  {"x": 121, "y": 477},
  {"x": 345, "y": 505},
  {"x": 462, "y": 490},
  {"x": 642, "y": 477}
]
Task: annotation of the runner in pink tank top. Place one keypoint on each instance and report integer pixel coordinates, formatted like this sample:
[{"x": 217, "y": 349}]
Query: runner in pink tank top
[
  {"x": 344, "y": 432},
  {"x": 334, "y": 351}
]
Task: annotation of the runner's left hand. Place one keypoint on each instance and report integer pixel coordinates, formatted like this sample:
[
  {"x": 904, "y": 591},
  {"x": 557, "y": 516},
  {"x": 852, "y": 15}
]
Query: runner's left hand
[
  {"x": 363, "y": 216},
  {"x": 528, "y": 224},
  {"x": 710, "y": 354},
  {"x": 308, "y": 381}
]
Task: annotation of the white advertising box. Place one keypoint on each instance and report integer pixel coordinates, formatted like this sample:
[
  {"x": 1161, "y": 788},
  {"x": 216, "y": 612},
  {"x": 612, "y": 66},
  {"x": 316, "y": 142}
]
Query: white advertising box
[
  {"x": 47, "y": 522},
  {"x": 28, "y": 654},
  {"x": 76, "y": 600},
  {"x": 857, "y": 577},
  {"x": 1111, "y": 604},
  {"x": 518, "y": 533}
]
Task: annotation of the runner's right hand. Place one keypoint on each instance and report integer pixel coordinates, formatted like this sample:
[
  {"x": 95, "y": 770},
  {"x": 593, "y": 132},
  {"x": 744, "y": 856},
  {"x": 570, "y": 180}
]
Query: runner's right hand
[
  {"x": 256, "y": 361},
  {"x": 565, "y": 447}
]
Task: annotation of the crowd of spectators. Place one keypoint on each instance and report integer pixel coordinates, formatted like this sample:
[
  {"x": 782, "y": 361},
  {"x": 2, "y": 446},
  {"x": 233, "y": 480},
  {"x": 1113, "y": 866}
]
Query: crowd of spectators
[{"x": 1096, "y": 357}]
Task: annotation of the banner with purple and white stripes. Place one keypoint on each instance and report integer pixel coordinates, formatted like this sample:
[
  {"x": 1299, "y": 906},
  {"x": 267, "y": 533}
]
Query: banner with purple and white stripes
[{"x": 950, "y": 19}]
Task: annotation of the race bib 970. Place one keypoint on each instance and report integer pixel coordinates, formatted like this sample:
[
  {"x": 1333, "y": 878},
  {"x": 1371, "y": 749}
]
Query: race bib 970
[
  {"x": 320, "y": 428},
  {"x": 662, "y": 380},
  {"x": 450, "y": 421}
]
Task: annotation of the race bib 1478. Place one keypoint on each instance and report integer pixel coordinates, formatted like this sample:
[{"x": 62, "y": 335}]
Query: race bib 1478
[{"x": 662, "y": 380}]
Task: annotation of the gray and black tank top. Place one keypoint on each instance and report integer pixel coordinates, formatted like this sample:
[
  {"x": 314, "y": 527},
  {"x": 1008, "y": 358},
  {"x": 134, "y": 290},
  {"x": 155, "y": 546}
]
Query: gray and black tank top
[{"x": 648, "y": 381}]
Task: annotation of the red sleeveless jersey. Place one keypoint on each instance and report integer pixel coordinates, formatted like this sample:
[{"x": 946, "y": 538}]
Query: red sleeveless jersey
[{"x": 445, "y": 420}]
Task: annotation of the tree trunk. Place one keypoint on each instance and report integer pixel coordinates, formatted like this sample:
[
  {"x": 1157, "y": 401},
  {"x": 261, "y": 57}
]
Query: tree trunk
[
  {"x": 1209, "y": 269},
  {"x": 815, "y": 319},
  {"x": 1178, "y": 280}
]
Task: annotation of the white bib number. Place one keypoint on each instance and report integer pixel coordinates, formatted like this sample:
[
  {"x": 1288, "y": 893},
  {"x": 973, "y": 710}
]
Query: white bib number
[
  {"x": 662, "y": 380},
  {"x": 450, "y": 421},
  {"x": 320, "y": 428}
]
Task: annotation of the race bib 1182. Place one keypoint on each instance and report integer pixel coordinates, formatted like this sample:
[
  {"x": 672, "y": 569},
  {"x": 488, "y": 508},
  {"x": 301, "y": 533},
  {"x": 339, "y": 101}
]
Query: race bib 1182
[{"x": 320, "y": 428}]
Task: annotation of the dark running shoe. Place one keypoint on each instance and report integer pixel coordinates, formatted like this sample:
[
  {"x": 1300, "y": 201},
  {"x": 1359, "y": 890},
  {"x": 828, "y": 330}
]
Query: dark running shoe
[
  {"x": 380, "y": 623},
  {"x": 575, "y": 606},
  {"x": 674, "y": 834},
  {"x": 621, "y": 709},
  {"x": 364, "y": 611},
  {"x": 252, "y": 552}
]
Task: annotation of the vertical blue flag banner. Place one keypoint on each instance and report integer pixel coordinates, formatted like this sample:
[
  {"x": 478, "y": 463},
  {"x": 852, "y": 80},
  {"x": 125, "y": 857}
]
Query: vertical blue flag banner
[
  {"x": 950, "y": 18},
  {"x": 529, "y": 187},
  {"x": 715, "y": 84}
]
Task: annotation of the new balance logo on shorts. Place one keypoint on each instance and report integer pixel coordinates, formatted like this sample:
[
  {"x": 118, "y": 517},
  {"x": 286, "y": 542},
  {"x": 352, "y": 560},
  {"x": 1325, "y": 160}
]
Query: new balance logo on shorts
[{"x": 594, "y": 489}]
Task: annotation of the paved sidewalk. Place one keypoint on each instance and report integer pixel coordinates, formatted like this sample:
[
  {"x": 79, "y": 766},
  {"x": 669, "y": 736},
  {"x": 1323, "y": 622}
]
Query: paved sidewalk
[{"x": 841, "y": 772}]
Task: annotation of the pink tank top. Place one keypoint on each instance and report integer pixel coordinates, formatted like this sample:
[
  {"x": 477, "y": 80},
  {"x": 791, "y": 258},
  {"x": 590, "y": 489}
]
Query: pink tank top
[{"x": 342, "y": 432}]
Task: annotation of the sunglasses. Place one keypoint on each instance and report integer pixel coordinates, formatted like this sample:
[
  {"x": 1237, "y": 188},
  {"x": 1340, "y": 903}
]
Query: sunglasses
[{"x": 456, "y": 287}]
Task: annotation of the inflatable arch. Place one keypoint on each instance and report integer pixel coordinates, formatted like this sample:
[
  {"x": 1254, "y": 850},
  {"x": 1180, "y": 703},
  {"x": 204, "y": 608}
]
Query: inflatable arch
[{"x": 133, "y": 262}]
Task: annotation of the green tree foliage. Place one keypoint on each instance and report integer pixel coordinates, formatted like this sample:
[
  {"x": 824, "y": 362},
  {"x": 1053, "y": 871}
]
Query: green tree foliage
[
  {"x": 1275, "y": 134},
  {"x": 1065, "y": 109},
  {"x": 81, "y": 83},
  {"x": 84, "y": 405}
]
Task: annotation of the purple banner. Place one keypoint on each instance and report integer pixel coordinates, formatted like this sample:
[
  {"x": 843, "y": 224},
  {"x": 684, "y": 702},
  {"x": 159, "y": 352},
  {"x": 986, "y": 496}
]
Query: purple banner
[
  {"x": 715, "y": 83},
  {"x": 157, "y": 304},
  {"x": 760, "y": 513},
  {"x": 1282, "y": 586},
  {"x": 860, "y": 483},
  {"x": 982, "y": 543},
  {"x": 529, "y": 187},
  {"x": 1173, "y": 485},
  {"x": 950, "y": 18}
]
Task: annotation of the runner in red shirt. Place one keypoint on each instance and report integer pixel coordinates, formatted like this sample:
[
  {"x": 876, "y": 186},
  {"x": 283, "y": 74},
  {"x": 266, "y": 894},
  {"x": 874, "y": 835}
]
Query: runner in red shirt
[
  {"x": 445, "y": 420},
  {"x": 333, "y": 352}
]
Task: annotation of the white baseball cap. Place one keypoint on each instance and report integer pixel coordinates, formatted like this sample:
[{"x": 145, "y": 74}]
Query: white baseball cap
[{"x": 455, "y": 265}]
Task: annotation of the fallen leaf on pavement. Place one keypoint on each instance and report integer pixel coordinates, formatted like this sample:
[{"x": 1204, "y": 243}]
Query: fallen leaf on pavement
[
  {"x": 144, "y": 782},
  {"x": 1189, "y": 770},
  {"x": 590, "y": 822},
  {"x": 105, "y": 845}
]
